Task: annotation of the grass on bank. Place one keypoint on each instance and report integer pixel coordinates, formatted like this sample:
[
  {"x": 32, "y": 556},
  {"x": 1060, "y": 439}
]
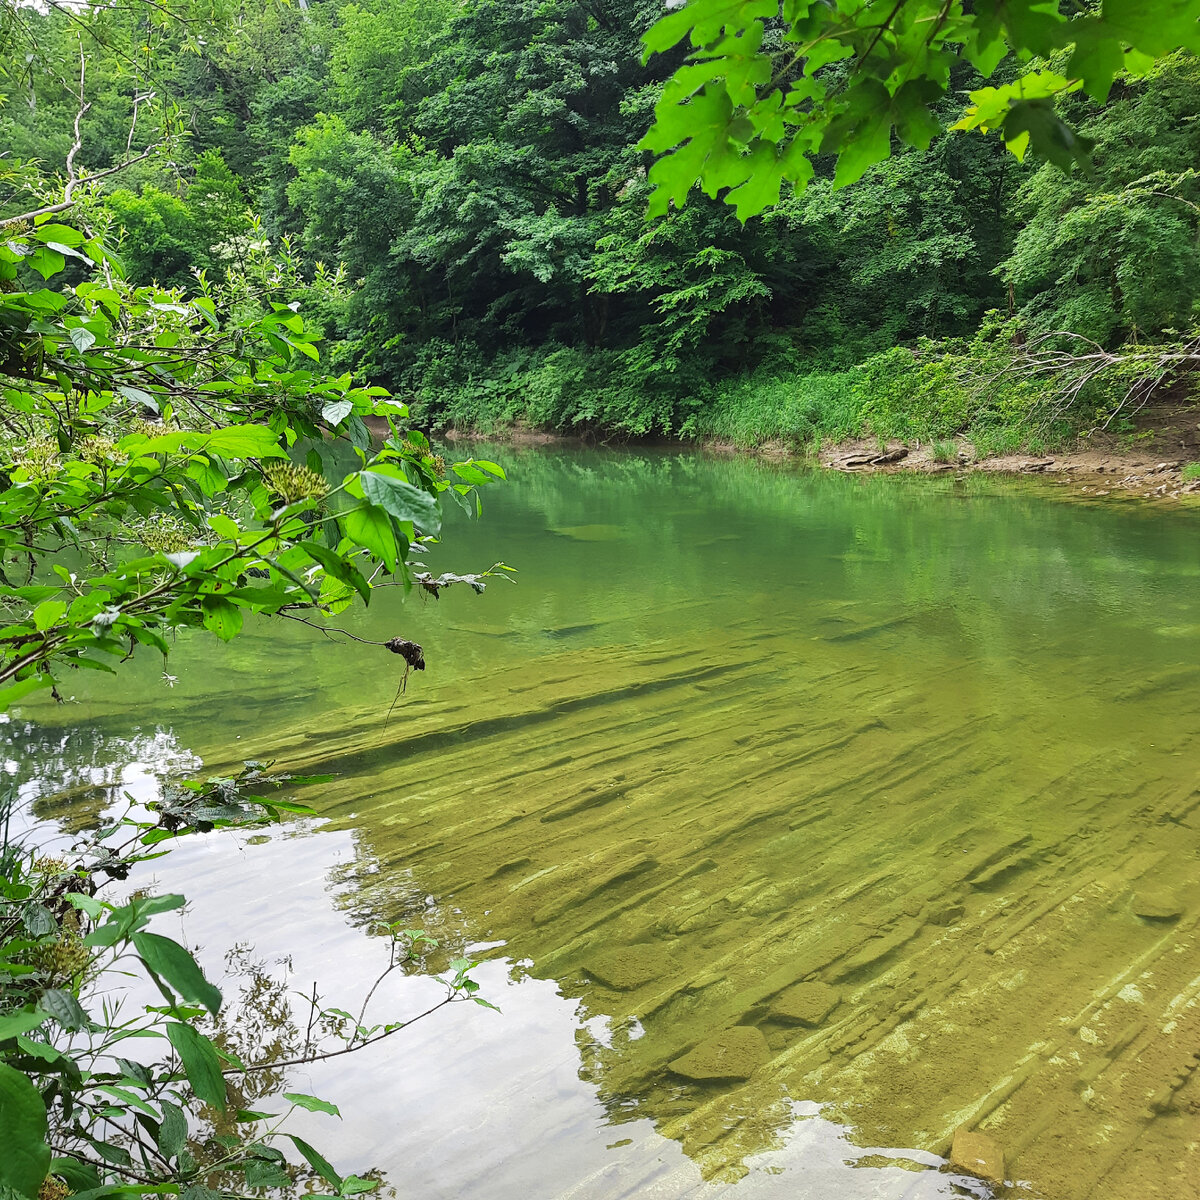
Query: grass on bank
[{"x": 988, "y": 391}]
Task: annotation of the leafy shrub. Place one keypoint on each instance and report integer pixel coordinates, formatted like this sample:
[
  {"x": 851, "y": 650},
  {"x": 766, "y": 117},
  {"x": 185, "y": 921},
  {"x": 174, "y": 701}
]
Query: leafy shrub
[{"x": 78, "y": 1117}]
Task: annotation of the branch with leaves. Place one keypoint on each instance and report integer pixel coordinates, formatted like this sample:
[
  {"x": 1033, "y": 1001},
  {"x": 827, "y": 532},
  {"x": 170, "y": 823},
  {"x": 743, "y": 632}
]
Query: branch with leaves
[
  {"x": 181, "y": 446},
  {"x": 769, "y": 84}
]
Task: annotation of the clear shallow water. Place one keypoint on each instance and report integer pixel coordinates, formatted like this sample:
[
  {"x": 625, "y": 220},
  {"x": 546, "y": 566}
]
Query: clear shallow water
[{"x": 736, "y": 728}]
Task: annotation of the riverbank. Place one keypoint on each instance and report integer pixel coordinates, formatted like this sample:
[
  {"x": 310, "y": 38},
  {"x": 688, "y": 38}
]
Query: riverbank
[
  {"x": 1158, "y": 460},
  {"x": 1163, "y": 465}
]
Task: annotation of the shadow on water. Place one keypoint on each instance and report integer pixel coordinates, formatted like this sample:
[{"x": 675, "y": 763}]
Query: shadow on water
[{"x": 801, "y": 817}]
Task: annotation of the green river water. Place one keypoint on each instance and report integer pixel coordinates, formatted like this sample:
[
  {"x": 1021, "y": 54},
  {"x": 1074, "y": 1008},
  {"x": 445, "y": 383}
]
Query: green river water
[{"x": 895, "y": 778}]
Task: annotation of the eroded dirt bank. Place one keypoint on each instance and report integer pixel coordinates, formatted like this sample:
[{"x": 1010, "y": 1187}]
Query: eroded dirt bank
[
  {"x": 1149, "y": 462},
  {"x": 1091, "y": 470}
]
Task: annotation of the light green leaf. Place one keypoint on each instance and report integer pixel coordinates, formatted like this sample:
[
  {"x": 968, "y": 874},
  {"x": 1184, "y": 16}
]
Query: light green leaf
[
  {"x": 47, "y": 262},
  {"x": 370, "y": 527},
  {"x": 312, "y": 1103},
  {"x": 60, "y": 233},
  {"x": 47, "y": 614},
  {"x": 14, "y": 692},
  {"x": 224, "y": 527},
  {"x": 245, "y": 441},
  {"x": 355, "y": 1185},
  {"x": 22, "y": 1022},
  {"x": 222, "y": 617}
]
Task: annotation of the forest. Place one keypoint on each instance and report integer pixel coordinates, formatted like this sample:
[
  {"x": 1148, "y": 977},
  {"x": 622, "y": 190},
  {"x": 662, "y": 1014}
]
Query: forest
[{"x": 462, "y": 197}]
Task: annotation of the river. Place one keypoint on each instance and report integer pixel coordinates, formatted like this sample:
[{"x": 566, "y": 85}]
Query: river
[{"x": 892, "y": 777}]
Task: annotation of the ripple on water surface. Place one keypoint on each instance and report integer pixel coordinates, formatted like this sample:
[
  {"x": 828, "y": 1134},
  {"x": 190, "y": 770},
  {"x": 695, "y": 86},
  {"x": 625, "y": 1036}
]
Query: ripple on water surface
[{"x": 806, "y": 818}]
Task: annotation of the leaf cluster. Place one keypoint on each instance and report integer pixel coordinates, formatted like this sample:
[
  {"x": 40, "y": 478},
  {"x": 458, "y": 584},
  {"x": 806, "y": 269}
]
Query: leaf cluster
[
  {"x": 165, "y": 462},
  {"x": 769, "y": 84},
  {"x": 168, "y": 1120}
]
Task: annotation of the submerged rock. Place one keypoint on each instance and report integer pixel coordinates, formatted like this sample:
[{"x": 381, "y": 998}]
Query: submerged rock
[
  {"x": 977, "y": 1154},
  {"x": 732, "y": 1054},
  {"x": 1157, "y": 905},
  {"x": 805, "y": 1004},
  {"x": 627, "y": 968}
]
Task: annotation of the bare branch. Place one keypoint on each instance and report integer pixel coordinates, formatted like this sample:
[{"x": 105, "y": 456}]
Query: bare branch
[
  {"x": 138, "y": 99},
  {"x": 77, "y": 145},
  {"x": 74, "y": 178},
  {"x": 64, "y": 204}
]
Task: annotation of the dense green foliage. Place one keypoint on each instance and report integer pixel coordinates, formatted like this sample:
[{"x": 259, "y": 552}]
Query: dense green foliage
[{"x": 479, "y": 172}]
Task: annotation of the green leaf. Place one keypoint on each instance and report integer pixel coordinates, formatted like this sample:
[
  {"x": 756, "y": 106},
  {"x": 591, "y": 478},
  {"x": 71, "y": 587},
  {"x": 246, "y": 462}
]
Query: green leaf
[
  {"x": 14, "y": 692},
  {"x": 317, "y": 1162},
  {"x": 173, "y": 964},
  {"x": 1049, "y": 135},
  {"x": 39, "y": 920},
  {"x": 312, "y": 1103},
  {"x": 222, "y": 617},
  {"x": 139, "y": 396},
  {"x": 65, "y": 1009},
  {"x": 47, "y": 262},
  {"x": 78, "y": 1176},
  {"x": 200, "y": 1061},
  {"x": 24, "y": 1155},
  {"x": 22, "y": 1022},
  {"x": 224, "y": 527},
  {"x": 207, "y": 475},
  {"x": 305, "y": 348},
  {"x": 59, "y": 233},
  {"x": 172, "y": 1130},
  {"x": 48, "y": 614},
  {"x": 125, "y": 1189},
  {"x": 371, "y": 527},
  {"x": 355, "y": 1185},
  {"x": 86, "y": 904},
  {"x": 245, "y": 441},
  {"x": 46, "y": 1053},
  {"x": 197, "y": 1191},
  {"x": 338, "y": 567},
  {"x": 490, "y": 467},
  {"x": 403, "y": 501}
]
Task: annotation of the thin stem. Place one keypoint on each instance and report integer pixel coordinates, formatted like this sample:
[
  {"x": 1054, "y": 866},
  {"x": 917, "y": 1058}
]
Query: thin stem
[{"x": 311, "y": 1058}]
